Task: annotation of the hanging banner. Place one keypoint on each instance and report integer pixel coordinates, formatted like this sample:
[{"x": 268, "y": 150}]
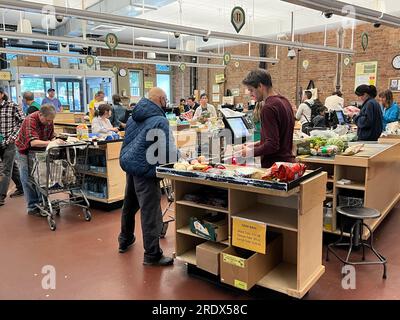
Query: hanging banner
[
  {"x": 227, "y": 58},
  {"x": 115, "y": 69},
  {"x": 90, "y": 61},
  {"x": 182, "y": 67},
  {"x": 238, "y": 18},
  {"x": 112, "y": 41},
  {"x": 366, "y": 73}
]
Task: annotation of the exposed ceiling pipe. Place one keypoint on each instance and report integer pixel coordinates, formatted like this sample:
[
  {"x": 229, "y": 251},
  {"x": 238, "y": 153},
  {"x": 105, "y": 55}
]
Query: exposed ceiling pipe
[
  {"x": 360, "y": 13},
  {"x": 107, "y": 59},
  {"x": 127, "y": 47},
  {"x": 156, "y": 25}
]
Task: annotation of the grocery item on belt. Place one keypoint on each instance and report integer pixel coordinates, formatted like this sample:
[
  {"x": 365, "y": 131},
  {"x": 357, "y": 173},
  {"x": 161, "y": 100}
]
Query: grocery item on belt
[
  {"x": 351, "y": 151},
  {"x": 286, "y": 171}
]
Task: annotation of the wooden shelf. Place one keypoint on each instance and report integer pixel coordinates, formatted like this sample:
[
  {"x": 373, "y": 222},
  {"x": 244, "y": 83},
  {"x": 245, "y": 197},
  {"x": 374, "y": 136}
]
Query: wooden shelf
[
  {"x": 105, "y": 200},
  {"x": 282, "y": 278},
  {"x": 352, "y": 186},
  {"x": 346, "y": 234},
  {"x": 188, "y": 257},
  {"x": 330, "y": 180},
  {"x": 96, "y": 174},
  {"x": 280, "y": 217},
  {"x": 202, "y": 206},
  {"x": 329, "y": 195},
  {"x": 186, "y": 230}
]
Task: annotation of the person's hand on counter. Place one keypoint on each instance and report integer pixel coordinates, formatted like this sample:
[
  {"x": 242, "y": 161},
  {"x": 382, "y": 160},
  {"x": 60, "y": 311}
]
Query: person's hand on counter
[{"x": 114, "y": 130}]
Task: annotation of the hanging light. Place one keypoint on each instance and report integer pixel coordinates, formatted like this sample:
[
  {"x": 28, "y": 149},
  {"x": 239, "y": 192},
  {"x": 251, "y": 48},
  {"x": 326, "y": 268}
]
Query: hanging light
[
  {"x": 24, "y": 25},
  {"x": 151, "y": 55}
]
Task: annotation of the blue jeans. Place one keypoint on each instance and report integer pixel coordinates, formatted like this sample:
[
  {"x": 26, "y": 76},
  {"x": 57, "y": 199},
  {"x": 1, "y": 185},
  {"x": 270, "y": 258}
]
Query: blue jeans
[{"x": 32, "y": 196}]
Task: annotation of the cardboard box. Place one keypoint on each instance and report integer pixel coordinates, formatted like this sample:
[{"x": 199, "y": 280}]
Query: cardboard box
[
  {"x": 212, "y": 227},
  {"x": 243, "y": 269},
  {"x": 208, "y": 256}
]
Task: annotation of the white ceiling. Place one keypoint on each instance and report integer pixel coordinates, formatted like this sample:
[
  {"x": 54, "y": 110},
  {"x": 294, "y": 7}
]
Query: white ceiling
[{"x": 264, "y": 18}]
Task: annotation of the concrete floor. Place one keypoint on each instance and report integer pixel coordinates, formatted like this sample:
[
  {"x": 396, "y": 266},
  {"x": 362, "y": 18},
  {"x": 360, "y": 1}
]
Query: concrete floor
[{"x": 88, "y": 265}]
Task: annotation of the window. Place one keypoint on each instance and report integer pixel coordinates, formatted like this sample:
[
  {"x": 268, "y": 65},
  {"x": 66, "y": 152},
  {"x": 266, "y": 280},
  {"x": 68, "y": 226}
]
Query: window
[
  {"x": 164, "y": 82},
  {"x": 136, "y": 80},
  {"x": 38, "y": 86}
]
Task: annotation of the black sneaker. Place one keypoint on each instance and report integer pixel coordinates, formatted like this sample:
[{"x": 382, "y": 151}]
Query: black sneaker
[
  {"x": 34, "y": 212},
  {"x": 17, "y": 193},
  {"x": 163, "y": 261},
  {"x": 125, "y": 246}
]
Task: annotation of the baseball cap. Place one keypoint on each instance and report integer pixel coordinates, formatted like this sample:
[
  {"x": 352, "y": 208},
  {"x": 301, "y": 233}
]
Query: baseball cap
[{"x": 50, "y": 90}]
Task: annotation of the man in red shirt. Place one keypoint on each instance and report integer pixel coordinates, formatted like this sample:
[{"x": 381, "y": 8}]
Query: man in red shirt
[
  {"x": 36, "y": 131},
  {"x": 277, "y": 121}
]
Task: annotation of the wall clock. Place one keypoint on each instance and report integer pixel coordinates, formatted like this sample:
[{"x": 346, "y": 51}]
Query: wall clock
[
  {"x": 122, "y": 72},
  {"x": 396, "y": 62}
]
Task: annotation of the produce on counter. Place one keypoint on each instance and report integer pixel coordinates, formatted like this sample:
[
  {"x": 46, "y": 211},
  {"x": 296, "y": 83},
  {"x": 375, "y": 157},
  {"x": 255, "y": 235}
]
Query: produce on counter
[
  {"x": 336, "y": 142},
  {"x": 280, "y": 171}
]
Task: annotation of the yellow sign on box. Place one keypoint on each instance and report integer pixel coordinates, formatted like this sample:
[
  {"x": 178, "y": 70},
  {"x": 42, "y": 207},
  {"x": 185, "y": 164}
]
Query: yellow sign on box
[
  {"x": 236, "y": 261},
  {"x": 240, "y": 284},
  {"x": 250, "y": 235}
]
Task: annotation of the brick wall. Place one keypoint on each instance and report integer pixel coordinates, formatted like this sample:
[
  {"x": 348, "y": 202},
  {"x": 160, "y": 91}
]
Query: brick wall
[{"x": 384, "y": 44}]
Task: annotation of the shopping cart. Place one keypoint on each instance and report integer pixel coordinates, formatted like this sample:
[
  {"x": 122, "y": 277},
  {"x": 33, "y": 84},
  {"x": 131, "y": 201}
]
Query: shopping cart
[
  {"x": 58, "y": 170},
  {"x": 166, "y": 187}
]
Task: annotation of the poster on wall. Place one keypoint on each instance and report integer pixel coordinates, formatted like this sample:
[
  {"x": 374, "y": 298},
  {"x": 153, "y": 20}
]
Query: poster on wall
[
  {"x": 148, "y": 84},
  {"x": 394, "y": 85},
  {"x": 366, "y": 73},
  {"x": 215, "y": 88},
  {"x": 215, "y": 98}
]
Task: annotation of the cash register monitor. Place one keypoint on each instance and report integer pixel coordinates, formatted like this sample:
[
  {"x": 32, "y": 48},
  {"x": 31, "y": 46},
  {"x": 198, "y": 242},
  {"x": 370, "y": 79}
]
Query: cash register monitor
[
  {"x": 340, "y": 117},
  {"x": 238, "y": 127}
]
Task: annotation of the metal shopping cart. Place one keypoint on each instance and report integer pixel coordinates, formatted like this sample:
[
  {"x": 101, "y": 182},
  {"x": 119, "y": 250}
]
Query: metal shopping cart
[{"x": 60, "y": 169}]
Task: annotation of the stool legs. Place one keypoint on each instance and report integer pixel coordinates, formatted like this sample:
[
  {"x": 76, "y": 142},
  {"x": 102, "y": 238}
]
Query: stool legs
[{"x": 357, "y": 231}]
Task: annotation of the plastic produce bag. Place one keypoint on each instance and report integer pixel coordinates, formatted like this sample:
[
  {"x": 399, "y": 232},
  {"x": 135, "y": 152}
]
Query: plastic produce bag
[{"x": 324, "y": 134}]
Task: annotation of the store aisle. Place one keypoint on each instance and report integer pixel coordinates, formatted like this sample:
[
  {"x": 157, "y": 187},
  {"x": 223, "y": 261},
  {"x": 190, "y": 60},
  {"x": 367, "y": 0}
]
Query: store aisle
[{"x": 89, "y": 266}]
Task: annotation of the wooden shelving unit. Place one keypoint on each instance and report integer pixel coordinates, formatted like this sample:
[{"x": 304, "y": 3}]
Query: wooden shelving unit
[
  {"x": 375, "y": 176},
  {"x": 115, "y": 177},
  {"x": 296, "y": 215}
]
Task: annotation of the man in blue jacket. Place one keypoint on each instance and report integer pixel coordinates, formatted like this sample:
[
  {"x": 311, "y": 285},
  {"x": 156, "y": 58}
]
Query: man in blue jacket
[{"x": 148, "y": 143}]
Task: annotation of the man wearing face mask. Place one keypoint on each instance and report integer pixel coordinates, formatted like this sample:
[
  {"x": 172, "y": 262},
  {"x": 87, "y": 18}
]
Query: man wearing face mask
[{"x": 148, "y": 143}]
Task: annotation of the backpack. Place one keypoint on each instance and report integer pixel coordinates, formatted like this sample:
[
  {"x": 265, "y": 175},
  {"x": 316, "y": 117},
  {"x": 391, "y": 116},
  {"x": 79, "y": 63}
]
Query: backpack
[{"x": 314, "y": 110}]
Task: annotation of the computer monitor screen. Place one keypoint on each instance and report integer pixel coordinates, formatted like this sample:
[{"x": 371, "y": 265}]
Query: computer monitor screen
[
  {"x": 340, "y": 117},
  {"x": 238, "y": 127}
]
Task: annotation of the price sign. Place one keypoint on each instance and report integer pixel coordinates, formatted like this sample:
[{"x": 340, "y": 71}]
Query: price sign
[
  {"x": 112, "y": 41},
  {"x": 238, "y": 18}
]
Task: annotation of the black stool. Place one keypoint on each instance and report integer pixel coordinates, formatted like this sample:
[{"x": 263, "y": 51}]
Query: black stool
[{"x": 359, "y": 214}]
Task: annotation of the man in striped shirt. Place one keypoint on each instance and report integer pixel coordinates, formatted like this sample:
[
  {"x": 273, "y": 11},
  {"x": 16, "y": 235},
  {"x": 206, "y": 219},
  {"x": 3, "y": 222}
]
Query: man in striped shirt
[{"x": 11, "y": 118}]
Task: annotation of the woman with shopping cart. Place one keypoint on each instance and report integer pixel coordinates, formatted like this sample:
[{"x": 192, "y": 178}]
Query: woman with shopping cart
[{"x": 37, "y": 130}]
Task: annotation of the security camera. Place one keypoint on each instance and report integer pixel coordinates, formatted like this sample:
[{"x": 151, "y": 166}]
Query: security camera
[
  {"x": 328, "y": 14},
  {"x": 59, "y": 18},
  {"x": 291, "y": 54},
  {"x": 64, "y": 45},
  {"x": 273, "y": 63},
  {"x": 177, "y": 35},
  {"x": 205, "y": 38},
  {"x": 377, "y": 24}
]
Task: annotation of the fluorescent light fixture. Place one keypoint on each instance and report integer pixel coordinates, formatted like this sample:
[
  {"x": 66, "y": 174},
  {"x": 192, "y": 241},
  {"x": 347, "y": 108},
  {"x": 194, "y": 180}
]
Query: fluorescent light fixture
[
  {"x": 147, "y": 39},
  {"x": 107, "y": 27}
]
